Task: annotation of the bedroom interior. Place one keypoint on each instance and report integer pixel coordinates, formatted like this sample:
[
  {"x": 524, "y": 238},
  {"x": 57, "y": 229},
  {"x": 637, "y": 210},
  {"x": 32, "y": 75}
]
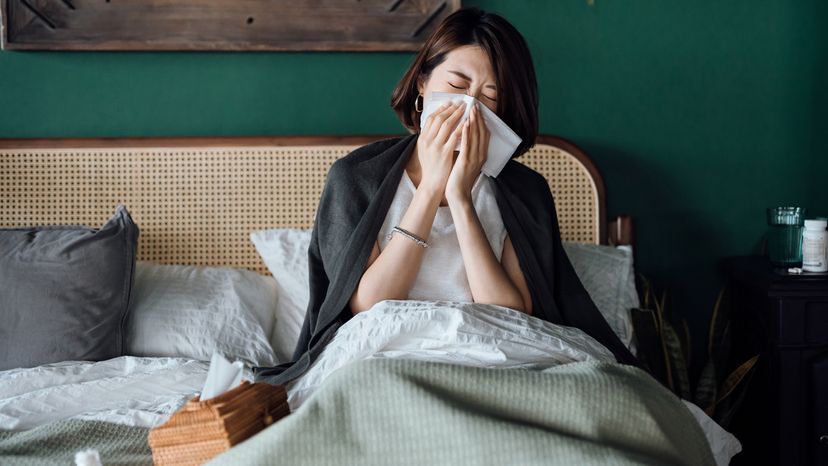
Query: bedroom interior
[{"x": 689, "y": 121}]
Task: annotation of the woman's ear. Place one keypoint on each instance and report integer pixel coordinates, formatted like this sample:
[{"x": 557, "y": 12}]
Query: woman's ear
[{"x": 421, "y": 84}]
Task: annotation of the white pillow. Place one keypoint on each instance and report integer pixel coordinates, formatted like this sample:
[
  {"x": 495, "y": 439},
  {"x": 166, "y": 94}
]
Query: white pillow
[
  {"x": 191, "y": 311},
  {"x": 285, "y": 253},
  {"x": 607, "y": 274},
  {"x": 605, "y": 271}
]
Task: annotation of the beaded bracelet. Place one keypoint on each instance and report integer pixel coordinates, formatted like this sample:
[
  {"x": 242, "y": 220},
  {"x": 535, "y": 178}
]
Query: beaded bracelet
[{"x": 409, "y": 235}]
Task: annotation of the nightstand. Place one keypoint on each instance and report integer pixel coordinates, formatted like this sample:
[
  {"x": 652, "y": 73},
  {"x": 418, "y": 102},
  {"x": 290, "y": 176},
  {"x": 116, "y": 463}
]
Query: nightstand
[{"x": 784, "y": 317}]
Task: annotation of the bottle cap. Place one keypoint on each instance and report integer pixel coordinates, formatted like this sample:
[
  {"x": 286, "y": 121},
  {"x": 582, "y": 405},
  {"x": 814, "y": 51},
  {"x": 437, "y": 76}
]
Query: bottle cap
[{"x": 816, "y": 224}]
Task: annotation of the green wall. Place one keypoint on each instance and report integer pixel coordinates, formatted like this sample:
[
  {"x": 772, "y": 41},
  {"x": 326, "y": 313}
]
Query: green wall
[{"x": 699, "y": 113}]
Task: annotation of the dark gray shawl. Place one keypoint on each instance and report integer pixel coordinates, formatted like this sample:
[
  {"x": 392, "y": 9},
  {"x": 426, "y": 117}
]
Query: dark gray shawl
[{"x": 357, "y": 195}]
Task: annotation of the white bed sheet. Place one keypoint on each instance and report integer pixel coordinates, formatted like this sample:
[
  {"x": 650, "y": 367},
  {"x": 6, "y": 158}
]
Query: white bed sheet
[{"x": 136, "y": 391}]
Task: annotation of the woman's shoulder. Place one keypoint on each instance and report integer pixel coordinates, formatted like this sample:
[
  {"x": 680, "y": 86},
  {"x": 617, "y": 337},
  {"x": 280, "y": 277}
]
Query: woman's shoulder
[
  {"x": 368, "y": 151},
  {"x": 523, "y": 178}
]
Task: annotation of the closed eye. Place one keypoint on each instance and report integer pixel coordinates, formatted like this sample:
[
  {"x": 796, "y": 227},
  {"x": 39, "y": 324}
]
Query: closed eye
[{"x": 484, "y": 95}]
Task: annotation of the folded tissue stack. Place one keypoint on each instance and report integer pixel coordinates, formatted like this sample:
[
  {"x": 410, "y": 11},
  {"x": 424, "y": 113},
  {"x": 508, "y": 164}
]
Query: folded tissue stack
[{"x": 219, "y": 418}]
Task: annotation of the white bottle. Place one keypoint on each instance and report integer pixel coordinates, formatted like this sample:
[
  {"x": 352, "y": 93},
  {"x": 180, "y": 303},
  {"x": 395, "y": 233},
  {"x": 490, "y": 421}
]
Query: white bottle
[{"x": 815, "y": 246}]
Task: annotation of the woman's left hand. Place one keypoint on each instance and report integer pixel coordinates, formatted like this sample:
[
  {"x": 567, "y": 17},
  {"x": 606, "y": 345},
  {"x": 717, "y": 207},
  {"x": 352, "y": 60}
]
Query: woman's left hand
[{"x": 474, "y": 147}]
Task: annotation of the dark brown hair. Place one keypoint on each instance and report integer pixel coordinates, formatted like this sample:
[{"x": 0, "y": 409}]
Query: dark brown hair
[{"x": 517, "y": 88}]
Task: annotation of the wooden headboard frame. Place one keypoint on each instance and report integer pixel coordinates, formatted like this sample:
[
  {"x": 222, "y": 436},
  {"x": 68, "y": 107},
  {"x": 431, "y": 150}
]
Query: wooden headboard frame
[{"x": 196, "y": 199}]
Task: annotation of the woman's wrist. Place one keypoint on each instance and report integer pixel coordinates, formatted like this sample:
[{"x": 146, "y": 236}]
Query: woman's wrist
[
  {"x": 431, "y": 191},
  {"x": 458, "y": 198}
]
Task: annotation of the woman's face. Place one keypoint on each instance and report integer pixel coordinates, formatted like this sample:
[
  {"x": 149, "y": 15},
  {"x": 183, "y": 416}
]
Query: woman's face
[{"x": 465, "y": 70}]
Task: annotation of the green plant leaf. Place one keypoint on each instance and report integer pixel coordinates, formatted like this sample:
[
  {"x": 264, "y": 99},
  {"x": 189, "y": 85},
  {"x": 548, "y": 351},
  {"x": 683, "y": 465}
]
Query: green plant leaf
[
  {"x": 722, "y": 354},
  {"x": 686, "y": 343},
  {"x": 728, "y": 404},
  {"x": 648, "y": 338},
  {"x": 713, "y": 328},
  {"x": 706, "y": 387},
  {"x": 719, "y": 319},
  {"x": 677, "y": 363},
  {"x": 646, "y": 292},
  {"x": 718, "y": 348},
  {"x": 735, "y": 377},
  {"x": 662, "y": 304},
  {"x": 668, "y": 366}
]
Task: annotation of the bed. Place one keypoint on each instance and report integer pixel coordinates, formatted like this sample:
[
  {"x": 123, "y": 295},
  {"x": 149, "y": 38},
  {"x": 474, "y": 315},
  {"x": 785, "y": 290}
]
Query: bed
[{"x": 224, "y": 224}]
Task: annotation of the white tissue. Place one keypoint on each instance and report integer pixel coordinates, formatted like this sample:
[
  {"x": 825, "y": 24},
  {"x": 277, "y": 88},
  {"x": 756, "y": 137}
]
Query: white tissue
[
  {"x": 502, "y": 140},
  {"x": 87, "y": 458},
  {"x": 222, "y": 376}
]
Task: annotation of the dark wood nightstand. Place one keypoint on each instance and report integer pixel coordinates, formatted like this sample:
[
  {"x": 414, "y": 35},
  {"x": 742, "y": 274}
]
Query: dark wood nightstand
[{"x": 784, "y": 317}]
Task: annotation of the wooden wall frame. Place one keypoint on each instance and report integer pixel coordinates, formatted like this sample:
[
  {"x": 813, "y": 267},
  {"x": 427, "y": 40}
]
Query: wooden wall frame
[{"x": 220, "y": 25}]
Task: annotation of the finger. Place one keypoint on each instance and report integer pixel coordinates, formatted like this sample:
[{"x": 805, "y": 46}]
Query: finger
[
  {"x": 450, "y": 123},
  {"x": 429, "y": 122},
  {"x": 484, "y": 137},
  {"x": 442, "y": 109},
  {"x": 481, "y": 129},
  {"x": 466, "y": 141},
  {"x": 442, "y": 115},
  {"x": 474, "y": 132},
  {"x": 455, "y": 136}
]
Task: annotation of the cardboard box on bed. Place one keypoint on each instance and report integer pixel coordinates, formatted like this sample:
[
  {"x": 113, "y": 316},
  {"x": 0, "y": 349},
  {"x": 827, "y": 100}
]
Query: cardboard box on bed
[{"x": 202, "y": 429}]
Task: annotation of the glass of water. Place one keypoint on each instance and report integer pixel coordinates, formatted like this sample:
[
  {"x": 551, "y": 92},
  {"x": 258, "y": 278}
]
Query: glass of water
[{"x": 785, "y": 226}]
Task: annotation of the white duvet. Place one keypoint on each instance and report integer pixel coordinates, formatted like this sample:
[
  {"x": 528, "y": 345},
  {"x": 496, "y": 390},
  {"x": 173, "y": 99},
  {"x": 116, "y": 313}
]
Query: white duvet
[
  {"x": 126, "y": 390},
  {"x": 471, "y": 334}
]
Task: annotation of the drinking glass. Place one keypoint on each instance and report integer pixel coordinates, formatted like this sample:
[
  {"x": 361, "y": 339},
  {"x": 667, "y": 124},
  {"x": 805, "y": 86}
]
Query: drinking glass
[{"x": 785, "y": 226}]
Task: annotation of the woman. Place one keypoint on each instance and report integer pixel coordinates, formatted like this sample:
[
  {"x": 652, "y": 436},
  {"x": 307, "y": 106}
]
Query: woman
[{"x": 507, "y": 248}]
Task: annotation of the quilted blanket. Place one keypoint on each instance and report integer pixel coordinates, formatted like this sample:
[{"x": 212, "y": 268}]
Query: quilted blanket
[
  {"x": 408, "y": 412},
  {"x": 57, "y": 442}
]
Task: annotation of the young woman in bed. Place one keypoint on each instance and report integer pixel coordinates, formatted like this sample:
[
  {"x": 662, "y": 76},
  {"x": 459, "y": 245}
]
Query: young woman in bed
[
  {"x": 444, "y": 198},
  {"x": 406, "y": 221}
]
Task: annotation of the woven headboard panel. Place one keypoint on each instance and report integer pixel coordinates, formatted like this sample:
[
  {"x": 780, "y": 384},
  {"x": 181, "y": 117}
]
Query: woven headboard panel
[{"x": 196, "y": 200}]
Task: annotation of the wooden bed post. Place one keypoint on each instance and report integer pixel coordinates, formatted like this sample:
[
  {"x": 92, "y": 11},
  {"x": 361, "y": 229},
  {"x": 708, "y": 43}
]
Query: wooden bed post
[{"x": 620, "y": 231}]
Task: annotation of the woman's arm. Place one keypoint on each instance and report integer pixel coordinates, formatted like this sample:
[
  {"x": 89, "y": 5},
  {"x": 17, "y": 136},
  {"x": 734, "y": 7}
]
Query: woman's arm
[
  {"x": 490, "y": 282},
  {"x": 390, "y": 274},
  {"x": 510, "y": 263}
]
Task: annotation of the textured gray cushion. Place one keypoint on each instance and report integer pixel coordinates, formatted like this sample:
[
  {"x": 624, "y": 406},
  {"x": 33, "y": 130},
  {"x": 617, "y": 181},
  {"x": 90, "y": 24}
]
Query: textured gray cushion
[
  {"x": 608, "y": 276},
  {"x": 65, "y": 291}
]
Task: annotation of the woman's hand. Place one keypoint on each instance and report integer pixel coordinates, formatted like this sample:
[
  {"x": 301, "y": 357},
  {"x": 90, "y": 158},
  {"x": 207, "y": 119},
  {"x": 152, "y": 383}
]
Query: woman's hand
[
  {"x": 435, "y": 146},
  {"x": 473, "y": 151}
]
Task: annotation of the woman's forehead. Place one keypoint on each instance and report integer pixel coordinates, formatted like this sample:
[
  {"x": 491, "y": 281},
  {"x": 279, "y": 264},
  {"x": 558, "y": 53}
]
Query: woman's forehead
[{"x": 470, "y": 61}]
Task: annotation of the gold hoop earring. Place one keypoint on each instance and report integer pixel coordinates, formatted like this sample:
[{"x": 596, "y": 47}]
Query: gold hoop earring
[{"x": 415, "y": 103}]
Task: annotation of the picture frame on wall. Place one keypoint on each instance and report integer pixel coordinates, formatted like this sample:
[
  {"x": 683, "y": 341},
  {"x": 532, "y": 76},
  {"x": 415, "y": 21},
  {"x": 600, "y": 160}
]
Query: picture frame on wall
[{"x": 215, "y": 25}]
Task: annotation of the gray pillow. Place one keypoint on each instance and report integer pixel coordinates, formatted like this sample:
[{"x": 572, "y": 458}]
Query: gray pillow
[
  {"x": 65, "y": 291},
  {"x": 608, "y": 276}
]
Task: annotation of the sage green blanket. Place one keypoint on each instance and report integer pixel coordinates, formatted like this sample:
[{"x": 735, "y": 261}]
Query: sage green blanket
[
  {"x": 56, "y": 444},
  {"x": 401, "y": 412}
]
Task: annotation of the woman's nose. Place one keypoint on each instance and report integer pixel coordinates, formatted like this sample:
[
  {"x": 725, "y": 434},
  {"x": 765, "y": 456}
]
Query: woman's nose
[{"x": 477, "y": 94}]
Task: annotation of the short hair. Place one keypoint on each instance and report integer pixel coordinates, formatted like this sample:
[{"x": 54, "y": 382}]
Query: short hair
[{"x": 517, "y": 88}]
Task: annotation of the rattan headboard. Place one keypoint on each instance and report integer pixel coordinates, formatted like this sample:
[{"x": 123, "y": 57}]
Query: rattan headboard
[{"x": 196, "y": 200}]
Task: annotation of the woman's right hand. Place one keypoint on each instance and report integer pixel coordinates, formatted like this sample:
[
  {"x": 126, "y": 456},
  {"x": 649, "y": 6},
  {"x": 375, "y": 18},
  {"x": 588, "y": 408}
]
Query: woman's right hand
[{"x": 435, "y": 145}]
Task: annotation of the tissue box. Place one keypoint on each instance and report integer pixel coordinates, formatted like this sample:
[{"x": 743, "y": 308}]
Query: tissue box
[{"x": 202, "y": 429}]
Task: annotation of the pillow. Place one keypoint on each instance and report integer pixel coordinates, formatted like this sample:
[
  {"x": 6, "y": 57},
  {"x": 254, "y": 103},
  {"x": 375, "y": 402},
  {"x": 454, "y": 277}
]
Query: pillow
[
  {"x": 65, "y": 291},
  {"x": 285, "y": 253},
  {"x": 191, "y": 311},
  {"x": 606, "y": 273}
]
